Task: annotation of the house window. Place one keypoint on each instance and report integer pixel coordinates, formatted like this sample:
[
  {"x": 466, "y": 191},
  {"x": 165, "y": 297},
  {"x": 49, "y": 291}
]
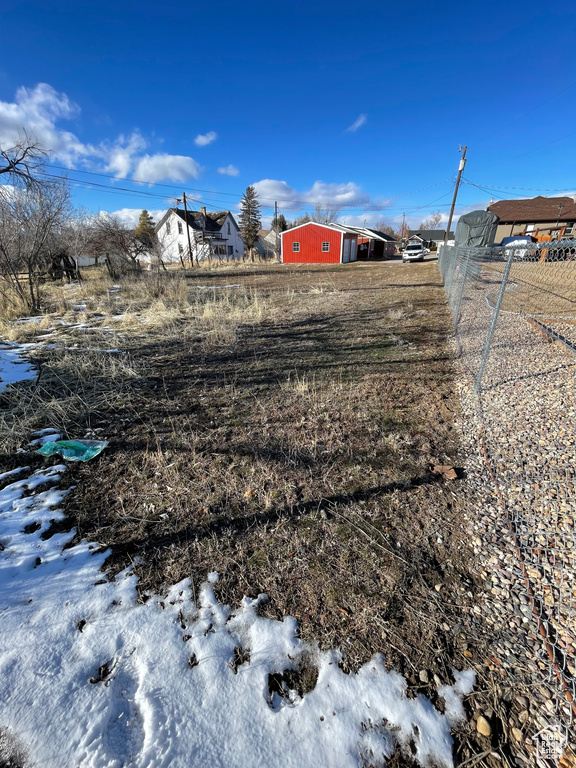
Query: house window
[
  {"x": 295, "y": 247},
  {"x": 180, "y": 228},
  {"x": 569, "y": 228},
  {"x": 228, "y": 227},
  {"x": 325, "y": 247},
  {"x": 529, "y": 228},
  {"x": 230, "y": 250},
  {"x": 167, "y": 227},
  {"x": 180, "y": 249}
]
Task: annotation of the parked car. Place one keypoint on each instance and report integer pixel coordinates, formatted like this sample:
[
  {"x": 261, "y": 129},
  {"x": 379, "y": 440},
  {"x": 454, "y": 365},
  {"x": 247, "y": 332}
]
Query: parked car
[
  {"x": 520, "y": 246},
  {"x": 414, "y": 252}
]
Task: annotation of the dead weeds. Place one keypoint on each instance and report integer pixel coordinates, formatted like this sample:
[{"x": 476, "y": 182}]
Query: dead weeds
[{"x": 282, "y": 433}]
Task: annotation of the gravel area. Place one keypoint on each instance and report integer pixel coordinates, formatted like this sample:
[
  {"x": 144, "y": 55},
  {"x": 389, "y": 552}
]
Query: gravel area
[{"x": 521, "y": 482}]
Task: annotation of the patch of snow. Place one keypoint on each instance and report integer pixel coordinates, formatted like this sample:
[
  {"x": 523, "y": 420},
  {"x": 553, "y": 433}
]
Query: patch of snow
[
  {"x": 47, "y": 435},
  {"x": 79, "y": 308},
  {"x": 214, "y": 287},
  {"x": 92, "y": 677},
  {"x": 29, "y": 320},
  {"x": 12, "y": 367},
  {"x": 452, "y": 694}
]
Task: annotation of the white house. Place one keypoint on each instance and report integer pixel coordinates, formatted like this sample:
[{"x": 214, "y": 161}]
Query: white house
[{"x": 213, "y": 235}]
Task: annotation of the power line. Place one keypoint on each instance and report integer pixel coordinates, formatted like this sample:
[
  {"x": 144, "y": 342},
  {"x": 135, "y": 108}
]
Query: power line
[
  {"x": 526, "y": 189},
  {"x": 302, "y": 203}
]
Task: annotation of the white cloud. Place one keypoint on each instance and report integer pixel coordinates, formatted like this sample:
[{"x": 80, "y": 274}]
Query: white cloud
[
  {"x": 229, "y": 170},
  {"x": 344, "y": 195},
  {"x": 129, "y": 216},
  {"x": 161, "y": 166},
  {"x": 121, "y": 154},
  {"x": 203, "y": 139},
  {"x": 358, "y": 123},
  {"x": 37, "y": 111}
]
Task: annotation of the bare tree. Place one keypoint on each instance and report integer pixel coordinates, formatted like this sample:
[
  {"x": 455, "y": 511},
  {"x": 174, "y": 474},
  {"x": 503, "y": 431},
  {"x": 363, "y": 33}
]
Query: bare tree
[
  {"x": 22, "y": 162},
  {"x": 298, "y": 220},
  {"x": 385, "y": 228},
  {"x": 432, "y": 221},
  {"x": 109, "y": 238},
  {"x": 30, "y": 221},
  {"x": 73, "y": 241},
  {"x": 328, "y": 215}
]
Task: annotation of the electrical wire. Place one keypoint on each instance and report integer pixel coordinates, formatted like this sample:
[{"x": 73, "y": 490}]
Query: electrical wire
[
  {"x": 525, "y": 189},
  {"x": 291, "y": 201}
]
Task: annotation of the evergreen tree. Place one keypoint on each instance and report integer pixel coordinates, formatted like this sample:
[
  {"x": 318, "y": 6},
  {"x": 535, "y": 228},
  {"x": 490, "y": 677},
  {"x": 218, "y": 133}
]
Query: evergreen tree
[
  {"x": 145, "y": 231},
  {"x": 250, "y": 221},
  {"x": 281, "y": 224},
  {"x": 144, "y": 236}
]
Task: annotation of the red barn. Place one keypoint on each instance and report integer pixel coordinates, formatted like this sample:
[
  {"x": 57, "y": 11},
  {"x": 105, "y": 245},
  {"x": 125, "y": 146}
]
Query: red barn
[{"x": 315, "y": 243}]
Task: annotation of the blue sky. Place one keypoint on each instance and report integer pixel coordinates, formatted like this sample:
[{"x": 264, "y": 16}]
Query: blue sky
[{"x": 360, "y": 105}]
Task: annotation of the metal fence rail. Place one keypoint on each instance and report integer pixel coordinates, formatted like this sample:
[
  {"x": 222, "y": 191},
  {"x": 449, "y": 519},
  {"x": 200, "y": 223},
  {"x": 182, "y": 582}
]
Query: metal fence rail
[{"x": 514, "y": 313}]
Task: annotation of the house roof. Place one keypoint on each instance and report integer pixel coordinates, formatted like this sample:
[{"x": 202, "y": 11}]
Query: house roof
[
  {"x": 534, "y": 209},
  {"x": 337, "y": 227},
  {"x": 431, "y": 234},
  {"x": 374, "y": 234},
  {"x": 263, "y": 232},
  {"x": 212, "y": 221}
]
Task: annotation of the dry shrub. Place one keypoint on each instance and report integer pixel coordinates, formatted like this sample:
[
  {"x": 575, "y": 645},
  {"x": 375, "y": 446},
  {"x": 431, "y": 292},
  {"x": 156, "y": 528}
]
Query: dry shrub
[
  {"x": 73, "y": 387},
  {"x": 11, "y": 304}
]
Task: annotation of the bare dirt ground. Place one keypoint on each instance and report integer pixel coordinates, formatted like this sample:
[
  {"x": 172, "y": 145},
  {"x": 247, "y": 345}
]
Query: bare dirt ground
[{"x": 282, "y": 432}]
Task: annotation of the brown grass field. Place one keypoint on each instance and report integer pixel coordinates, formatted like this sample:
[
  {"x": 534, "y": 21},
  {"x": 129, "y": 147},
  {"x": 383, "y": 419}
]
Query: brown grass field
[{"x": 280, "y": 432}]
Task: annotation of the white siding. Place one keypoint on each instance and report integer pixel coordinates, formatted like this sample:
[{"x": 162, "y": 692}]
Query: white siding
[{"x": 174, "y": 241}]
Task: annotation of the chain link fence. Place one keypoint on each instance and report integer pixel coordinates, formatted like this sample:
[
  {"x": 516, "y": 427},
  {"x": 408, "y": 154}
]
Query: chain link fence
[{"x": 514, "y": 313}]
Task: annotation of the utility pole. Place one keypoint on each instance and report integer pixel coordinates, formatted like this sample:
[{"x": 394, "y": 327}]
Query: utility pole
[
  {"x": 187, "y": 230},
  {"x": 460, "y": 169},
  {"x": 403, "y": 227},
  {"x": 276, "y": 227}
]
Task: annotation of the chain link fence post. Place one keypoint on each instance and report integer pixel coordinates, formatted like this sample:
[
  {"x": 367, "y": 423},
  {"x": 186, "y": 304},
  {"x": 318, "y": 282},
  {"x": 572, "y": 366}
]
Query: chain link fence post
[
  {"x": 488, "y": 342},
  {"x": 456, "y": 317}
]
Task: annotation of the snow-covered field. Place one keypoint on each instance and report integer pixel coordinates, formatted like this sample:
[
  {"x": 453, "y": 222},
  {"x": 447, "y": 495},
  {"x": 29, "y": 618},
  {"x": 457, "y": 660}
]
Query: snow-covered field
[{"x": 92, "y": 677}]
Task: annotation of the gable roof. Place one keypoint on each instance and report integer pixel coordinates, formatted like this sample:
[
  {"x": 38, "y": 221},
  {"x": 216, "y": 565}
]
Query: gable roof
[
  {"x": 212, "y": 221},
  {"x": 337, "y": 227},
  {"x": 431, "y": 234},
  {"x": 534, "y": 209},
  {"x": 374, "y": 234}
]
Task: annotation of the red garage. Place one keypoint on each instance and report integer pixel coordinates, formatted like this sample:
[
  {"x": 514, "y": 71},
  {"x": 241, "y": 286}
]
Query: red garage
[{"x": 314, "y": 243}]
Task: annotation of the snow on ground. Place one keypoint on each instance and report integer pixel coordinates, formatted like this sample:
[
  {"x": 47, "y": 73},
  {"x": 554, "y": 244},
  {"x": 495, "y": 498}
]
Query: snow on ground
[
  {"x": 12, "y": 367},
  {"x": 91, "y": 677}
]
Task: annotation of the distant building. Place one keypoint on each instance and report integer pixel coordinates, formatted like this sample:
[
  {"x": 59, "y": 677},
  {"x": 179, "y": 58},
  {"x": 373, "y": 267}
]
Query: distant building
[
  {"x": 267, "y": 243},
  {"x": 213, "y": 235},
  {"x": 546, "y": 218},
  {"x": 315, "y": 243},
  {"x": 373, "y": 244},
  {"x": 431, "y": 238}
]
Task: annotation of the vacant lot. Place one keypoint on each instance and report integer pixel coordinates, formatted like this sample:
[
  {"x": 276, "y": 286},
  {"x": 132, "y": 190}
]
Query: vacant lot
[{"x": 277, "y": 425}]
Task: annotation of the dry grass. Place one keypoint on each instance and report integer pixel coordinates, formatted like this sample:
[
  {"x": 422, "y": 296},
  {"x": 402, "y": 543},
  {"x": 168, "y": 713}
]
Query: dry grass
[
  {"x": 280, "y": 433},
  {"x": 71, "y": 390}
]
